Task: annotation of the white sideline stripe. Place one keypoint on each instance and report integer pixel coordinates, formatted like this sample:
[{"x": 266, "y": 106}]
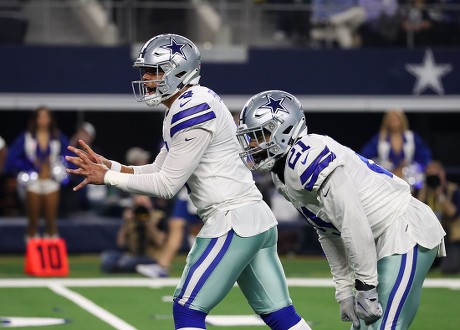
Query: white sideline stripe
[
  {"x": 90, "y": 282},
  {"x": 170, "y": 282},
  {"x": 91, "y": 307}
]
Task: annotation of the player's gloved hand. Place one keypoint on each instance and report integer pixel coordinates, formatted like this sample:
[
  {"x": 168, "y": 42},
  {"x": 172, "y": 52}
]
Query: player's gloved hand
[
  {"x": 367, "y": 304},
  {"x": 347, "y": 311}
]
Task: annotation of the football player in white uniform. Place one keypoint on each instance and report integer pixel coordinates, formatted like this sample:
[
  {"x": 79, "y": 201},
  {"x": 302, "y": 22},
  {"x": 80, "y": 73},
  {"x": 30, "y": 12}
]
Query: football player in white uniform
[
  {"x": 379, "y": 241},
  {"x": 238, "y": 241}
]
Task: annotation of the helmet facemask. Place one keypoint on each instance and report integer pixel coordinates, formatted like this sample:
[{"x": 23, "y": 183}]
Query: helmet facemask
[
  {"x": 260, "y": 152},
  {"x": 143, "y": 93}
]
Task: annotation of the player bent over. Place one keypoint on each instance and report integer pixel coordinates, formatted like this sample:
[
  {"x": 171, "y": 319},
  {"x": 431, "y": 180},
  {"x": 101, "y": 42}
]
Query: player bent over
[{"x": 379, "y": 241}]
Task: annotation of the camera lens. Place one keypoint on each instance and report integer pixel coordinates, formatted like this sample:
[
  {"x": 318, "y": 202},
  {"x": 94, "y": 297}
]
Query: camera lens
[{"x": 433, "y": 181}]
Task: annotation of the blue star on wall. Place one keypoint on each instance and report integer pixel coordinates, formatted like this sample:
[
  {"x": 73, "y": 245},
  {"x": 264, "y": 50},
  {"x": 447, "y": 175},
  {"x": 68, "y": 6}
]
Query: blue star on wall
[
  {"x": 275, "y": 105},
  {"x": 175, "y": 48}
]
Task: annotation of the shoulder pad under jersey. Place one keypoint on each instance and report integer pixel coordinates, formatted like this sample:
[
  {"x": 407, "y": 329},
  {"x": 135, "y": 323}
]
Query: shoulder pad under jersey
[
  {"x": 309, "y": 162},
  {"x": 193, "y": 108}
]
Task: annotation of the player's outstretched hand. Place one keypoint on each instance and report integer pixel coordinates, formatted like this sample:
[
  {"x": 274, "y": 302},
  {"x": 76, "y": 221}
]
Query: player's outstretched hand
[
  {"x": 93, "y": 156},
  {"x": 92, "y": 171},
  {"x": 347, "y": 311}
]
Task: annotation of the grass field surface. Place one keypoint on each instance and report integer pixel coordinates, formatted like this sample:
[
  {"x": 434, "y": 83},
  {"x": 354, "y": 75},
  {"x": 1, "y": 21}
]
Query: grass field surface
[{"x": 90, "y": 299}]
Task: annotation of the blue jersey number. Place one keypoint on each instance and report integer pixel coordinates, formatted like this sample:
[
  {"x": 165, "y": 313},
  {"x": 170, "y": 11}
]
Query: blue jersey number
[
  {"x": 309, "y": 177},
  {"x": 296, "y": 153},
  {"x": 210, "y": 91},
  {"x": 317, "y": 222},
  {"x": 186, "y": 95},
  {"x": 374, "y": 167}
]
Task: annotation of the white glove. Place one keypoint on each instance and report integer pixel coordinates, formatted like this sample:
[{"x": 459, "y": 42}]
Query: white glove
[
  {"x": 367, "y": 305},
  {"x": 347, "y": 311}
]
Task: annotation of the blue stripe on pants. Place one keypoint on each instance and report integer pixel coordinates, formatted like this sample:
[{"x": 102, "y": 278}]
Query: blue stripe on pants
[
  {"x": 400, "y": 289},
  {"x": 203, "y": 268}
]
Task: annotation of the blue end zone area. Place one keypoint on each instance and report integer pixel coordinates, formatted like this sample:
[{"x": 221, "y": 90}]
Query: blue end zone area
[{"x": 85, "y": 233}]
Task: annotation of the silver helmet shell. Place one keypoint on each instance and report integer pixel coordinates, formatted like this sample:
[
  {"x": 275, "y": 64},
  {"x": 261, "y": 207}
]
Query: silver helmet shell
[
  {"x": 177, "y": 57},
  {"x": 269, "y": 124}
]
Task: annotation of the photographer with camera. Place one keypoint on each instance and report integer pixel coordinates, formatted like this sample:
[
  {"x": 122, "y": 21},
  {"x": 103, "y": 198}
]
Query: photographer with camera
[
  {"x": 139, "y": 240},
  {"x": 444, "y": 199}
]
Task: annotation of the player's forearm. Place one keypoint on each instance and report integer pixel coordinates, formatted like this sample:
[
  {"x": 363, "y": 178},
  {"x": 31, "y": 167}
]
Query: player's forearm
[
  {"x": 362, "y": 255},
  {"x": 343, "y": 206},
  {"x": 341, "y": 273},
  {"x": 155, "y": 184}
]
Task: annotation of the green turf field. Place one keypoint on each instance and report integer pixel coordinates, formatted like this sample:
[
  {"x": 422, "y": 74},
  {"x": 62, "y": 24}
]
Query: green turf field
[{"x": 89, "y": 299}]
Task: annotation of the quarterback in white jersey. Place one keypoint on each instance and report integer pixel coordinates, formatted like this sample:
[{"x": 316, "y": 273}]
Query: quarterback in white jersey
[
  {"x": 238, "y": 241},
  {"x": 379, "y": 240}
]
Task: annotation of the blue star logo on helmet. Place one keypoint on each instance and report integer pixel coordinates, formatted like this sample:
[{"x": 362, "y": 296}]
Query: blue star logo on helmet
[
  {"x": 175, "y": 48},
  {"x": 275, "y": 104}
]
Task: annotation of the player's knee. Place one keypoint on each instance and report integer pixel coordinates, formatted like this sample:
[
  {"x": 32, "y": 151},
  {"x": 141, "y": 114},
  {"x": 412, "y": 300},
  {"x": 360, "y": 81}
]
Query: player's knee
[
  {"x": 186, "y": 318},
  {"x": 285, "y": 319}
]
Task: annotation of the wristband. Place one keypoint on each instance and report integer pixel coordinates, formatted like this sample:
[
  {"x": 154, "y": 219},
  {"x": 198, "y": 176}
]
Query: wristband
[
  {"x": 118, "y": 179},
  {"x": 115, "y": 166}
]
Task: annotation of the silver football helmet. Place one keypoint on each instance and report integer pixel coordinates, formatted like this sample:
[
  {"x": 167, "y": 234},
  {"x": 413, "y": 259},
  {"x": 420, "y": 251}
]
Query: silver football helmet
[
  {"x": 269, "y": 124},
  {"x": 177, "y": 57}
]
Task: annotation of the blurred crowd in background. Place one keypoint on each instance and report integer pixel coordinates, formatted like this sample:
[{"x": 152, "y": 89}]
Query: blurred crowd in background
[
  {"x": 370, "y": 23},
  {"x": 307, "y": 23},
  {"x": 34, "y": 184}
]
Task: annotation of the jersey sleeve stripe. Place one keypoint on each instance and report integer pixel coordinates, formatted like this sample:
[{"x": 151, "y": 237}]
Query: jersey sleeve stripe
[
  {"x": 316, "y": 221},
  {"x": 192, "y": 122},
  {"x": 189, "y": 112},
  {"x": 312, "y": 172}
]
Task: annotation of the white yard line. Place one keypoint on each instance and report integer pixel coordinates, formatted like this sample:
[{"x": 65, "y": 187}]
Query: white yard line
[
  {"x": 171, "y": 282},
  {"x": 59, "y": 286},
  {"x": 91, "y": 307},
  {"x": 89, "y": 282}
]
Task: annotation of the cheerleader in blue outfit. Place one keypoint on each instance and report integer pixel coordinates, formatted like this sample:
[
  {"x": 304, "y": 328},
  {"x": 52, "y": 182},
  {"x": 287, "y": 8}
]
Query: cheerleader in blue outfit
[{"x": 36, "y": 157}]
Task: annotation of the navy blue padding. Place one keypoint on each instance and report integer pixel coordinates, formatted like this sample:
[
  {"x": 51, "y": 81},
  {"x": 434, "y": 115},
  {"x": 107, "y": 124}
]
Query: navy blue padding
[
  {"x": 188, "y": 318},
  {"x": 83, "y": 234},
  {"x": 284, "y": 318}
]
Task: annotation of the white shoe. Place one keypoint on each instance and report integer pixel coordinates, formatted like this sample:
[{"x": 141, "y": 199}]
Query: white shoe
[{"x": 152, "y": 270}]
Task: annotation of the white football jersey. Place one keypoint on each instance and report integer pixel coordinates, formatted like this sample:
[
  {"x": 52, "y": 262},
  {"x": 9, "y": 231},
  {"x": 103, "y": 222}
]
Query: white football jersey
[
  {"x": 201, "y": 151},
  {"x": 355, "y": 205},
  {"x": 383, "y": 195},
  {"x": 220, "y": 179}
]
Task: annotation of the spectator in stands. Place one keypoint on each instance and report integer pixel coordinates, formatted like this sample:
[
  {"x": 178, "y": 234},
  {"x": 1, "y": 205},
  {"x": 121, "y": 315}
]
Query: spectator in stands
[
  {"x": 37, "y": 157},
  {"x": 85, "y": 132},
  {"x": 72, "y": 202},
  {"x": 3, "y": 153},
  {"x": 117, "y": 200},
  {"x": 447, "y": 17},
  {"x": 419, "y": 26},
  {"x": 382, "y": 26},
  {"x": 139, "y": 239},
  {"x": 3, "y": 189},
  {"x": 444, "y": 199},
  {"x": 337, "y": 22},
  {"x": 398, "y": 149},
  {"x": 292, "y": 24},
  {"x": 183, "y": 220}
]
